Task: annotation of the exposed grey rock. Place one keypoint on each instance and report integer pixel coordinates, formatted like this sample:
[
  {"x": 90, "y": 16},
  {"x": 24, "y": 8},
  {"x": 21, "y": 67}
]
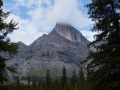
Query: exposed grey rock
[{"x": 63, "y": 46}]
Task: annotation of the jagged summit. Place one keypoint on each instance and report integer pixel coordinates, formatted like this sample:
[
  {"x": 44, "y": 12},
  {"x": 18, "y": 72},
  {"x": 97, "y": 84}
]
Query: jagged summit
[
  {"x": 21, "y": 43},
  {"x": 70, "y": 33},
  {"x": 64, "y": 26}
]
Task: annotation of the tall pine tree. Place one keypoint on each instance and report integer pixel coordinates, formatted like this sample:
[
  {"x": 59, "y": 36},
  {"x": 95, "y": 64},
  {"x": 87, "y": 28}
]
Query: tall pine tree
[
  {"x": 63, "y": 78},
  {"x": 28, "y": 82},
  {"x": 48, "y": 80},
  {"x": 73, "y": 79},
  {"x": 82, "y": 80},
  {"x": 5, "y": 44},
  {"x": 104, "y": 68},
  {"x": 34, "y": 84}
]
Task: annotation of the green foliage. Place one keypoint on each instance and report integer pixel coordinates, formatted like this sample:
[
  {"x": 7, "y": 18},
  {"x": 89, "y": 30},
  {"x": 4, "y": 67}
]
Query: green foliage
[
  {"x": 82, "y": 81},
  {"x": 48, "y": 84},
  {"x": 73, "y": 79},
  {"x": 63, "y": 78},
  {"x": 56, "y": 85},
  {"x": 67, "y": 87},
  {"x": 17, "y": 85},
  {"x": 34, "y": 85},
  {"x": 104, "y": 67},
  {"x": 41, "y": 83},
  {"x": 5, "y": 44},
  {"x": 28, "y": 82},
  {"x": 87, "y": 84},
  {"x": 41, "y": 73},
  {"x": 48, "y": 80}
]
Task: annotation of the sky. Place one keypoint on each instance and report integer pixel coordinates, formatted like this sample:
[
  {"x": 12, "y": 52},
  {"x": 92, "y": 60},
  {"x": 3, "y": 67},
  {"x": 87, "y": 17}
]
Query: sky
[{"x": 38, "y": 17}]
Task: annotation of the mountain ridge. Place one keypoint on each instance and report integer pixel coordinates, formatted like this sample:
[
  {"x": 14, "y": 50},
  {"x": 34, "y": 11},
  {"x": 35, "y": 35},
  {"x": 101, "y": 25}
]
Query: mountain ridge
[{"x": 63, "y": 46}]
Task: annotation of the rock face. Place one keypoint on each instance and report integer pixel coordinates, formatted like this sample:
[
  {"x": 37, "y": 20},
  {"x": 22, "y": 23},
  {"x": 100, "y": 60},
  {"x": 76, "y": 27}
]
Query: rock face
[
  {"x": 70, "y": 33},
  {"x": 63, "y": 46}
]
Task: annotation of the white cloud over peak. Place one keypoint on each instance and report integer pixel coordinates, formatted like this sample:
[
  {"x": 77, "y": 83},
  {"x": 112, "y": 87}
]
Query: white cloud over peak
[{"x": 42, "y": 15}]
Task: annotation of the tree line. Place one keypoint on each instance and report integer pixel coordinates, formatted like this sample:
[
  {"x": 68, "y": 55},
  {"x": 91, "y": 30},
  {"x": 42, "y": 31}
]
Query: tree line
[{"x": 76, "y": 82}]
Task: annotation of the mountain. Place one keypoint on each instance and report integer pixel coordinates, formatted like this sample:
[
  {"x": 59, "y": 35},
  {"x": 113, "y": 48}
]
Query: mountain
[{"x": 63, "y": 46}]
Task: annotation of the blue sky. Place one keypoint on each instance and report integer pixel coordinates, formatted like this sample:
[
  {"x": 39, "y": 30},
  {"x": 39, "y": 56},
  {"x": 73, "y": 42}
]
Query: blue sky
[{"x": 37, "y": 17}]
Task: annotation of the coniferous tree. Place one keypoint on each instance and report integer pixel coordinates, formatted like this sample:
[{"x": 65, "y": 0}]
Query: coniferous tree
[
  {"x": 5, "y": 44},
  {"x": 17, "y": 85},
  {"x": 81, "y": 79},
  {"x": 104, "y": 68},
  {"x": 56, "y": 85},
  {"x": 48, "y": 80},
  {"x": 34, "y": 85},
  {"x": 28, "y": 83},
  {"x": 76, "y": 87},
  {"x": 63, "y": 78},
  {"x": 40, "y": 84},
  {"x": 67, "y": 86},
  {"x": 73, "y": 79},
  {"x": 87, "y": 81}
]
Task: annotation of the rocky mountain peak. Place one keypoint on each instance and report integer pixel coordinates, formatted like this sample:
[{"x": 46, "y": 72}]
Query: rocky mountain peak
[
  {"x": 64, "y": 46},
  {"x": 22, "y": 46},
  {"x": 70, "y": 33},
  {"x": 21, "y": 43}
]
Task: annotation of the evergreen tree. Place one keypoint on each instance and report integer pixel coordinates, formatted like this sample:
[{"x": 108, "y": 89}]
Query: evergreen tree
[
  {"x": 87, "y": 81},
  {"x": 76, "y": 87},
  {"x": 28, "y": 83},
  {"x": 48, "y": 80},
  {"x": 104, "y": 67},
  {"x": 17, "y": 85},
  {"x": 56, "y": 85},
  {"x": 67, "y": 87},
  {"x": 81, "y": 79},
  {"x": 63, "y": 78},
  {"x": 73, "y": 79},
  {"x": 34, "y": 85},
  {"x": 41, "y": 83},
  {"x": 5, "y": 44}
]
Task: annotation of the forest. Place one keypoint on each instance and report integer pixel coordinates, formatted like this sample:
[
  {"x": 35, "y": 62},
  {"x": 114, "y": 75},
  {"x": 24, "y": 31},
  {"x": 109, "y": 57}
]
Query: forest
[{"x": 76, "y": 82}]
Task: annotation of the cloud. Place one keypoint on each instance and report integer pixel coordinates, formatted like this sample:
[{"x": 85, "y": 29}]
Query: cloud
[
  {"x": 68, "y": 11},
  {"x": 26, "y": 33},
  {"x": 42, "y": 16},
  {"x": 88, "y": 34}
]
